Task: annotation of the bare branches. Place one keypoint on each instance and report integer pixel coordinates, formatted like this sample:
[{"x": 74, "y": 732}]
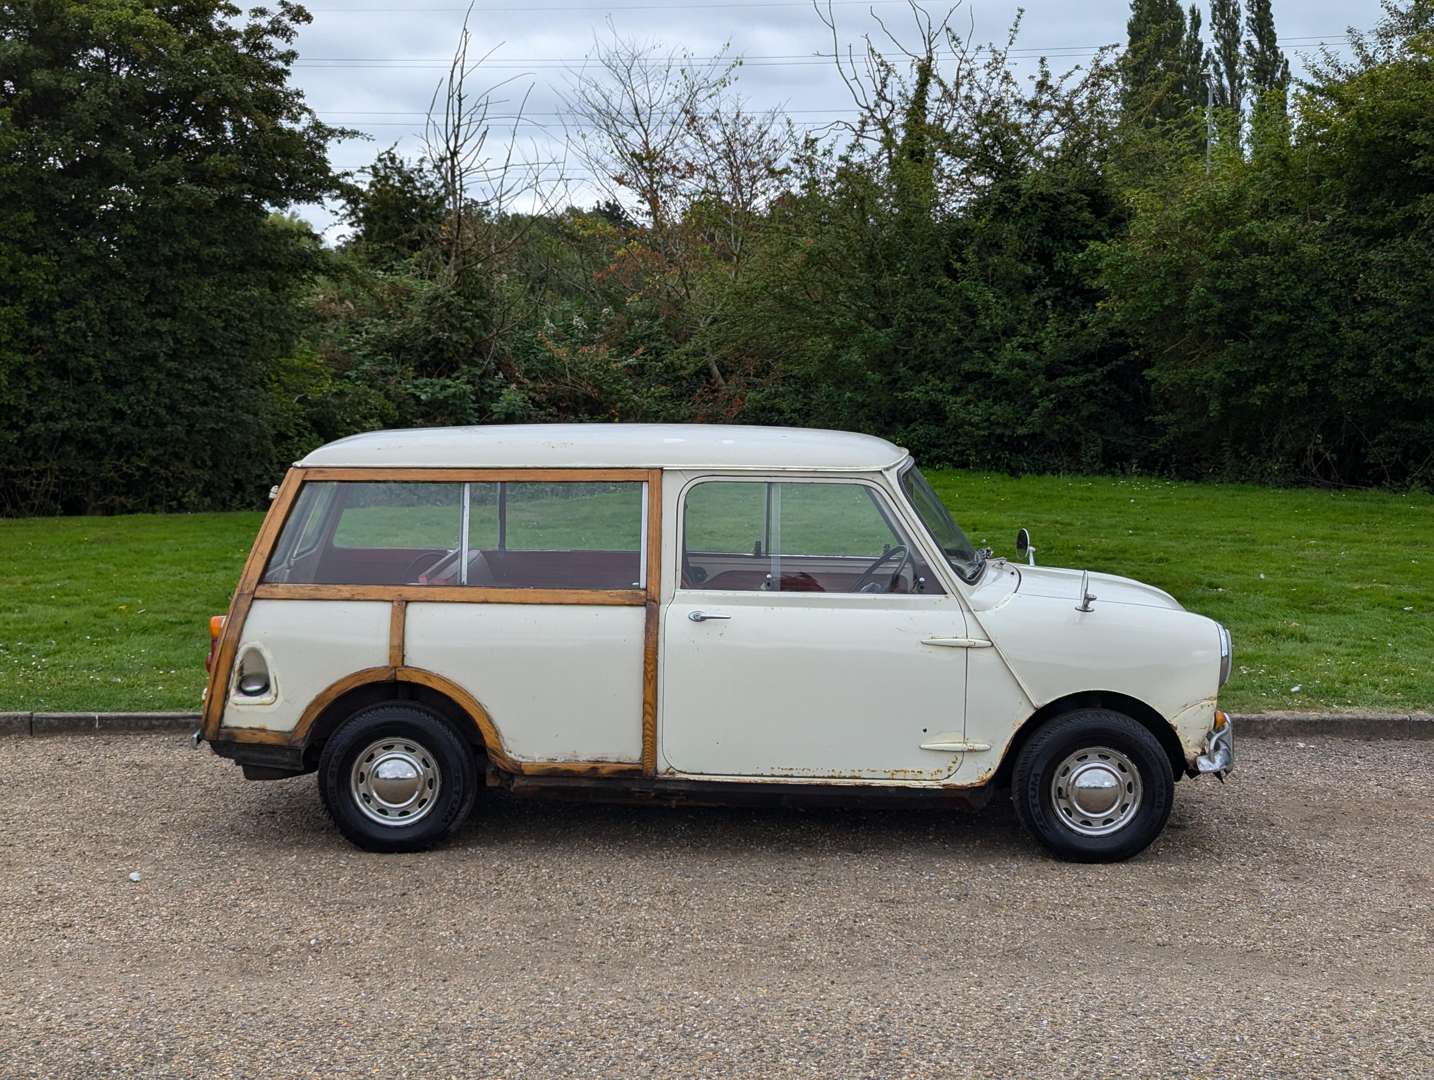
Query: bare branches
[
  {"x": 482, "y": 191},
  {"x": 636, "y": 108}
]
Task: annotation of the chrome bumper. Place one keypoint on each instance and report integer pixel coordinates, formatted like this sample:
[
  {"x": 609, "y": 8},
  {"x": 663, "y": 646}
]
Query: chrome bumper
[{"x": 1218, "y": 755}]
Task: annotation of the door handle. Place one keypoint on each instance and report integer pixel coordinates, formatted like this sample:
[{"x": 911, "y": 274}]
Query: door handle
[
  {"x": 702, "y": 616},
  {"x": 957, "y": 642}
]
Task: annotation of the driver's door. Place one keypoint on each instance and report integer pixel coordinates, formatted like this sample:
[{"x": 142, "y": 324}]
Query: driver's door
[{"x": 807, "y": 638}]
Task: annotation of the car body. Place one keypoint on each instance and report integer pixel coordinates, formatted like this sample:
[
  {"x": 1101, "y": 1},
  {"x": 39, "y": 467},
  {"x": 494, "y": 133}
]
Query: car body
[{"x": 694, "y": 611}]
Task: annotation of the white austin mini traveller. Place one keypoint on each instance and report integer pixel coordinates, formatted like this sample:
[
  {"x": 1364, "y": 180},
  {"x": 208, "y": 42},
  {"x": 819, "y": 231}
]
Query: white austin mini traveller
[{"x": 690, "y": 612}]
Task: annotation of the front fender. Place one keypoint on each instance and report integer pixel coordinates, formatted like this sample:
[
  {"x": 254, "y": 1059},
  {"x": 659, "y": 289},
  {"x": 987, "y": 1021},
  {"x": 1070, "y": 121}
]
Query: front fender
[{"x": 1165, "y": 657}]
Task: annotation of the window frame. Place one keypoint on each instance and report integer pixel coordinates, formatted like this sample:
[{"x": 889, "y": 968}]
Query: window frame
[
  {"x": 891, "y": 509},
  {"x": 648, "y": 554}
]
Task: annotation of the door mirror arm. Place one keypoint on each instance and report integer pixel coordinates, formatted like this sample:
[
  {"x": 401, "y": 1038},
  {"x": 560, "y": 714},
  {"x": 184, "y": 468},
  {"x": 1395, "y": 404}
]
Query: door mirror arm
[{"x": 1023, "y": 546}]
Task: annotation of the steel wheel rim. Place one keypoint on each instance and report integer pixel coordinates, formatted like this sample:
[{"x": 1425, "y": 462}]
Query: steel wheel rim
[
  {"x": 1096, "y": 791},
  {"x": 395, "y": 782}
]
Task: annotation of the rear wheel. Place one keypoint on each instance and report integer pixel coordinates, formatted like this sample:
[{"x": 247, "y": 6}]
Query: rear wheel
[
  {"x": 1093, "y": 786},
  {"x": 396, "y": 777}
]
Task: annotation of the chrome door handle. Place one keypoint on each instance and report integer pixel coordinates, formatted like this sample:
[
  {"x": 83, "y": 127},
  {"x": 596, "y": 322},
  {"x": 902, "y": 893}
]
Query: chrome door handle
[{"x": 702, "y": 616}]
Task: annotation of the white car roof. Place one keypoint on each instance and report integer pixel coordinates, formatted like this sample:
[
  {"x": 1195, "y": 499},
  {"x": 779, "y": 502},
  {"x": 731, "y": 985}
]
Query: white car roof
[{"x": 680, "y": 446}]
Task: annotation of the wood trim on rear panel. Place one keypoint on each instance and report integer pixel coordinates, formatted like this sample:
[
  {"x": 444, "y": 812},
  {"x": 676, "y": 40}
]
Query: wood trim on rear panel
[
  {"x": 397, "y": 627},
  {"x": 299, "y": 736},
  {"x": 651, "y": 619},
  {"x": 326, "y": 697},
  {"x": 492, "y": 738},
  {"x": 249, "y": 589},
  {"x": 217, "y": 693},
  {"x": 578, "y": 768},
  {"x": 455, "y": 594}
]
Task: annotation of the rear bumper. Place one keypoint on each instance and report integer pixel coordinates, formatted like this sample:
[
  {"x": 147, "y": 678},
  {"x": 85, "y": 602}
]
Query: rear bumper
[
  {"x": 262, "y": 761},
  {"x": 1218, "y": 754}
]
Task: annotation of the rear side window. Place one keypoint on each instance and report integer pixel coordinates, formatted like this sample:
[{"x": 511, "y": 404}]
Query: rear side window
[
  {"x": 410, "y": 516},
  {"x": 508, "y": 534}
]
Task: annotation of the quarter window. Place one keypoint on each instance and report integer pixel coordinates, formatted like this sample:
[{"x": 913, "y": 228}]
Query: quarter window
[
  {"x": 797, "y": 537},
  {"x": 509, "y": 534}
]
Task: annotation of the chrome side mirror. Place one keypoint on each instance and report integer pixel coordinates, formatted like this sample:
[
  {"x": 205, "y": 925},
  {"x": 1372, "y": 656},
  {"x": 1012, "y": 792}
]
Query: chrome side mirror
[{"x": 1023, "y": 546}]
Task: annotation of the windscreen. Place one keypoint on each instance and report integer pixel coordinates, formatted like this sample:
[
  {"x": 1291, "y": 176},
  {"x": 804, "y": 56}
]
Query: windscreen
[{"x": 938, "y": 521}]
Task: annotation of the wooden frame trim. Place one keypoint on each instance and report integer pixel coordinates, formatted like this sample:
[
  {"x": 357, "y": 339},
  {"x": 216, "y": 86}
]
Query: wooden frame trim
[
  {"x": 651, "y": 623},
  {"x": 492, "y": 739},
  {"x": 578, "y": 768},
  {"x": 454, "y": 594},
  {"x": 380, "y": 474},
  {"x": 397, "y": 627},
  {"x": 216, "y": 692},
  {"x": 399, "y": 596}
]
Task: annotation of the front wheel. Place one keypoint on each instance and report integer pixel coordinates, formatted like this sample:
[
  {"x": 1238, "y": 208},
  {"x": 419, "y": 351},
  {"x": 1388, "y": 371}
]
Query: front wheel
[
  {"x": 396, "y": 777},
  {"x": 1093, "y": 786}
]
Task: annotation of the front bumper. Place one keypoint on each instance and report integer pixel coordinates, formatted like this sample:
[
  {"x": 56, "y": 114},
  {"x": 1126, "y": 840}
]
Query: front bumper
[{"x": 1218, "y": 754}]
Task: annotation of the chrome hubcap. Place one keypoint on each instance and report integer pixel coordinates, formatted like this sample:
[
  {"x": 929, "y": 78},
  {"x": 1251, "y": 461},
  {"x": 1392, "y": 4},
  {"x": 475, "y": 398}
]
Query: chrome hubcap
[
  {"x": 1096, "y": 791},
  {"x": 395, "y": 781}
]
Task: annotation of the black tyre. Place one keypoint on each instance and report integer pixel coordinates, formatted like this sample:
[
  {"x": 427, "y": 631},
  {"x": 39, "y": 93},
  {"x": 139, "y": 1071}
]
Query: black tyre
[
  {"x": 397, "y": 777},
  {"x": 1093, "y": 786}
]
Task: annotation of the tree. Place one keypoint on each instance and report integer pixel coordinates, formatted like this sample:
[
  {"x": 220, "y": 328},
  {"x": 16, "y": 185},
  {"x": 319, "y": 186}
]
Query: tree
[
  {"x": 1196, "y": 82},
  {"x": 398, "y": 212},
  {"x": 1265, "y": 65},
  {"x": 1156, "y": 67},
  {"x": 636, "y": 107},
  {"x": 1283, "y": 296},
  {"x": 147, "y": 292},
  {"x": 1227, "y": 66}
]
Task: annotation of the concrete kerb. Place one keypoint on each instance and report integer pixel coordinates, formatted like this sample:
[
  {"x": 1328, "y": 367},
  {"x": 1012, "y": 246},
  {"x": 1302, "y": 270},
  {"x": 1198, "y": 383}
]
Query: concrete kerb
[
  {"x": 1297, "y": 725},
  {"x": 1272, "y": 725},
  {"x": 69, "y": 723}
]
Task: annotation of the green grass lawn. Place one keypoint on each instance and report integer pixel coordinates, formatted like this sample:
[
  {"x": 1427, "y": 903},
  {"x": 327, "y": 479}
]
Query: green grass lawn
[{"x": 1330, "y": 595}]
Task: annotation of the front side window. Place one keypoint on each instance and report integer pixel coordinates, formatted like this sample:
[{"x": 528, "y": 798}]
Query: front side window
[
  {"x": 797, "y": 537},
  {"x": 499, "y": 534}
]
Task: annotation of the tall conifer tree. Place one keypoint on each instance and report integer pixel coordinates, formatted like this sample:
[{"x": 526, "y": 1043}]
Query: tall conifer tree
[
  {"x": 1265, "y": 65},
  {"x": 1227, "y": 66},
  {"x": 1153, "y": 67},
  {"x": 1196, "y": 74}
]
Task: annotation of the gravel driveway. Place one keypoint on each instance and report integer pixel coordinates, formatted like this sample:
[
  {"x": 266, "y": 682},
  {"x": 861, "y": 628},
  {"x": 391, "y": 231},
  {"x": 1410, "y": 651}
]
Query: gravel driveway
[{"x": 1282, "y": 926}]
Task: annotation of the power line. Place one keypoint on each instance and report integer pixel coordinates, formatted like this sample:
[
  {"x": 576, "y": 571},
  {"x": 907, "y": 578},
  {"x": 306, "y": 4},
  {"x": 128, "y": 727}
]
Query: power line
[
  {"x": 775, "y": 60},
  {"x": 742, "y": 57},
  {"x": 516, "y": 116},
  {"x": 749, "y": 4}
]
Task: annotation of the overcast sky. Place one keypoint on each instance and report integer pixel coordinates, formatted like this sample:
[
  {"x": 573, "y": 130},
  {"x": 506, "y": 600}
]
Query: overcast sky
[{"x": 373, "y": 64}]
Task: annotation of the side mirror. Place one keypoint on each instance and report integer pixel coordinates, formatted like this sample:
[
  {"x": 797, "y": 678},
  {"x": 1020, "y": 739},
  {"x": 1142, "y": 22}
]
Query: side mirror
[{"x": 1023, "y": 546}]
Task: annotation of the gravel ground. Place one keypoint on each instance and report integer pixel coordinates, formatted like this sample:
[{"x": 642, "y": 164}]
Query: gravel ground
[{"x": 1280, "y": 927}]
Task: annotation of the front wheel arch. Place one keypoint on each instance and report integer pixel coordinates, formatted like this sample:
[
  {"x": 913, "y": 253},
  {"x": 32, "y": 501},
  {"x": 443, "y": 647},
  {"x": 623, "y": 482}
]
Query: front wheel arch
[{"x": 1093, "y": 699}]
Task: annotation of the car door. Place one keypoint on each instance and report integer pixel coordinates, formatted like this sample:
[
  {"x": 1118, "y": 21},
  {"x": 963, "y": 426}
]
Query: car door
[{"x": 807, "y": 637}]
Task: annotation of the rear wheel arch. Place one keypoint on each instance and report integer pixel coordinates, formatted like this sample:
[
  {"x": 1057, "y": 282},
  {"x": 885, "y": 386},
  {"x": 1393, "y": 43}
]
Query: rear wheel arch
[
  {"x": 1136, "y": 709},
  {"x": 473, "y": 726}
]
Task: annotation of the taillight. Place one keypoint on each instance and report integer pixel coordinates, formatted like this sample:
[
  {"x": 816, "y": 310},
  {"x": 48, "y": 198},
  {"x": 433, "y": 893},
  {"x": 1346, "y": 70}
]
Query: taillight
[{"x": 216, "y": 628}]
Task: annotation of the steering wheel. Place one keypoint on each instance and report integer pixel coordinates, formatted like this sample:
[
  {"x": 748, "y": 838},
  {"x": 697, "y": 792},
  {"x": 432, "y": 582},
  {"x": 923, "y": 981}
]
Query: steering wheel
[
  {"x": 428, "y": 562},
  {"x": 867, "y": 583}
]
